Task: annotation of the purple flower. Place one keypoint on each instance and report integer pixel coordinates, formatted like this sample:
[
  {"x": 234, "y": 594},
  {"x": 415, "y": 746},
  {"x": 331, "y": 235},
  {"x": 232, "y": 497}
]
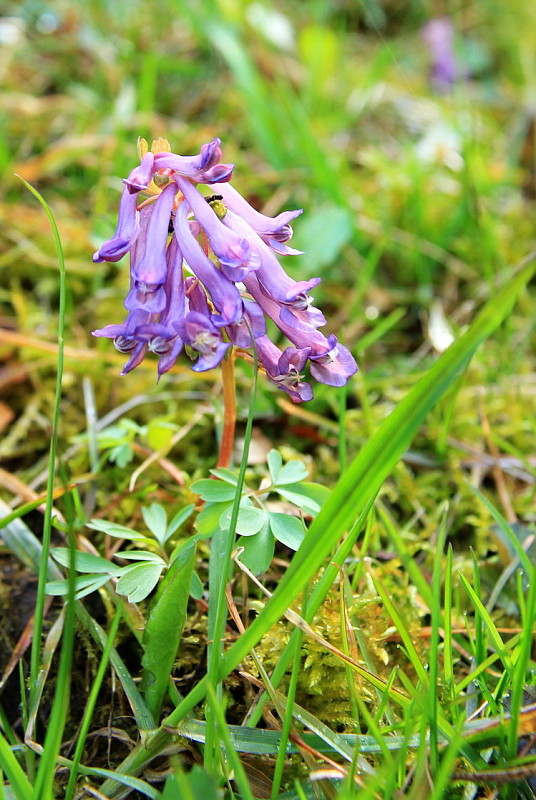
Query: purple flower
[
  {"x": 334, "y": 367},
  {"x": 302, "y": 319},
  {"x": 284, "y": 369},
  {"x": 204, "y": 274},
  {"x": 273, "y": 230},
  {"x": 252, "y": 324},
  {"x": 438, "y": 35},
  {"x": 270, "y": 274},
  {"x": 331, "y": 363},
  {"x": 202, "y": 335}
]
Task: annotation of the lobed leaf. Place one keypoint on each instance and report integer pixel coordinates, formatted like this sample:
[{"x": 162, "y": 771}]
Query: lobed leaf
[
  {"x": 275, "y": 462},
  {"x": 292, "y": 472},
  {"x": 196, "y": 587},
  {"x": 249, "y": 521},
  {"x": 208, "y": 519},
  {"x": 84, "y": 562},
  {"x": 156, "y": 520},
  {"x": 213, "y": 491},
  {"x": 179, "y": 519},
  {"x": 288, "y": 530},
  {"x": 113, "y": 529},
  {"x": 138, "y": 581},
  {"x": 82, "y": 586},
  {"x": 226, "y": 475},
  {"x": 141, "y": 555},
  {"x": 257, "y": 550}
]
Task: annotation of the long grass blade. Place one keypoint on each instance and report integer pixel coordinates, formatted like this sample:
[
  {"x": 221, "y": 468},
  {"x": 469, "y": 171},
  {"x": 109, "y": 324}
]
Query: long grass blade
[{"x": 47, "y": 523}]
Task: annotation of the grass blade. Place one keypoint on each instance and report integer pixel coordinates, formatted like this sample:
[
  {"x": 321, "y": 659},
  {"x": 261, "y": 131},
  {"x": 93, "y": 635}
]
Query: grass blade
[
  {"x": 14, "y": 772},
  {"x": 47, "y": 523}
]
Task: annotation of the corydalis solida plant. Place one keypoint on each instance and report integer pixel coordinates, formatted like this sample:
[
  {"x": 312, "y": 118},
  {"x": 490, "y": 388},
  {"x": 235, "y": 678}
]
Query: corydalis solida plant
[{"x": 204, "y": 273}]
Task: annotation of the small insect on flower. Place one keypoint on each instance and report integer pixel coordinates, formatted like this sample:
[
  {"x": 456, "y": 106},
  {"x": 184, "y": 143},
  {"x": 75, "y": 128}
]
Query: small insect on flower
[
  {"x": 216, "y": 203},
  {"x": 204, "y": 274}
]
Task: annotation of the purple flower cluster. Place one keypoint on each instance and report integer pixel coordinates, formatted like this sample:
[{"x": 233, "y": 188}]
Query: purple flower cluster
[{"x": 204, "y": 274}]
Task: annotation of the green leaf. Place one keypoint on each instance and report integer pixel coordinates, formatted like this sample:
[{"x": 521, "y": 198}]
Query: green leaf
[
  {"x": 138, "y": 581},
  {"x": 21, "y": 786},
  {"x": 275, "y": 462},
  {"x": 330, "y": 228},
  {"x": 121, "y": 455},
  {"x": 258, "y": 550},
  {"x": 196, "y": 587},
  {"x": 24, "y": 544},
  {"x": 250, "y": 520},
  {"x": 287, "y": 530},
  {"x": 179, "y": 519},
  {"x": 208, "y": 519},
  {"x": 84, "y": 562},
  {"x": 226, "y": 475},
  {"x": 213, "y": 491},
  {"x": 112, "y": 529},
  {"x": 140, "y": 555},
  {"x": 144, "y": 718},
  {"x": 82, "y": 586},
  {"x": 29, "y": 549},
  {"x": 156, "y": 520},
  {"x": 160, "y": 433},
  {"x": 192, "y": 785},
  {"x": 306, "y": 504},
  {"x": 163, "y": 631},
  {"x": 292, "y": 472},
  {"x": 316, "y": 492}
]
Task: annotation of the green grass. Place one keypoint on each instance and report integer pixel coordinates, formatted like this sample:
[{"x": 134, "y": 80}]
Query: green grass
[{"x": 394, "y": 654}]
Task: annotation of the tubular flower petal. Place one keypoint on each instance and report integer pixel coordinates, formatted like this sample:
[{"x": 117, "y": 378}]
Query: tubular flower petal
[
  {"x": 140, "y": 177},
  {"x": 209, "y": 282},
  {"x": 163, "y": 337},
  {"x": 203, "y": 168},
  {"x": 274, "y": 227},
  {"x": 125, "y": 233},
  {"x": 151, "y": 268},
  {"x": 223, "y": 292},
  {"x": 125, "y": 338},
  {"x": 234, "y": 254}
]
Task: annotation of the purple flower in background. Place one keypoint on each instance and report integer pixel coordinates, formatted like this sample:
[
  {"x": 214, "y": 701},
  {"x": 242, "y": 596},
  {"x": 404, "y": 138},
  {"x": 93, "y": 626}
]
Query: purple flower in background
[
  {"x": 438, "y": 35},
  {"x": 204, "y": 275}
]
